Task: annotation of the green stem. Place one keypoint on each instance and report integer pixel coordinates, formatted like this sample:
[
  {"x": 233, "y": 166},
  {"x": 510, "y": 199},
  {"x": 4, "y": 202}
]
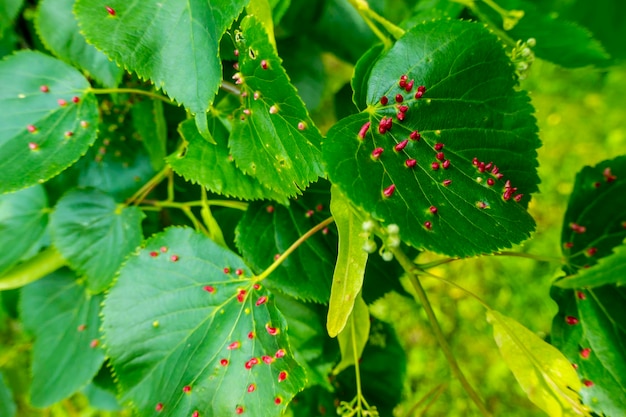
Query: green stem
[
  {"x": 531, "y": 256},
  {"x": 239, "y": 205},
  {"x": 44, "y": 263},
  {"x": 411, "y": 270},
  {"x": 148, "y": 186},
  {"x": 357, "y": 370},
  {"x": 370, "y": 17},
  {"x": 293, "y": 247},
  {"x": 230, "y": 88},
  {"x": 131, "y": 91}
]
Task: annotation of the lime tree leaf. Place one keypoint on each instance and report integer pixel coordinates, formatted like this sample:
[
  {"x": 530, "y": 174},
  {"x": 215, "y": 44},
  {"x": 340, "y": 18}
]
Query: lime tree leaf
[
  {"x": 9, "y": 9},
  {"x": 312, "y": 347},
  {"x": 543, "y": 372},
  {"x": 171, "y": 33},
  {"x": 58, "y": 29},
  {"x": 23, "y": 221},
  {"x": 451, "y": 173},
  {"x": 205, "y": 336},
  {"x": 149, "y": 123},
  {"x": 350, "y": 266},
  {"x": 64, "y": 318},
  {"x": 590, "y": 327},
  {"x": 118, "y": 163},
  {"x": 590, "y": 330},
  {"x": 362, "y": 71},
  {"x": 213, "y": 167},
  {"x": 609, "y": 270},
  {"x": 353, "y": 337},
  {"x": 306, "y": 273},
  {"x": 273, "y": 137},
  {"x": 48, "y": 118},
  {"x": 7, "y": 404},
  {"x": 95, "y": 234},
  {"x": 595, "y": 220},
  {"x": 558, "y": 40}
]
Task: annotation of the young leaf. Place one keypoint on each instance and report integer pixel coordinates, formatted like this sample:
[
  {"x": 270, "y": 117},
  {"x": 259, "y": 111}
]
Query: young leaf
[
  {"x": 212, "y": 166},
  {"x": 350, "y": 266},
  {"x": 95, "y": 234},
  {"x": 544, "y": 373},
  {"x": 64, "y": 319},
  {"x": 558, "y": 40},
  {"x": 177, "y": 49},
  {"x": 7, "y": 404},
  {"x": 273, "y": 137},
  {"x": 455, "y": 175},
  {"x": 353, "y": 337},
  {"x": 48, "y": 118},
  {"x": 58, "y": 29},
  {"x": 206, "y": 337},
  {"x": 23, "y": 220},
  {"x": 609, "y": 270},
  {"x": 306, "y": 273}
]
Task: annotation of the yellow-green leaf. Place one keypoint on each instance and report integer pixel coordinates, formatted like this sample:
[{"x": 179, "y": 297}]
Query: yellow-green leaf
[
  {"x": 353, "y": 338},
  {"x": 351, "y": 261},
  {"x": 543, "y": 372}
]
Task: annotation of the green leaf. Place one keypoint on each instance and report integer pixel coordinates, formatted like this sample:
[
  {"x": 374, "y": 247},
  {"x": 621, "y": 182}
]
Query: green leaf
[
  {"x": 362, "y": 72},
  {"x": 595, "y": 220},
  {"x": 306, "y": 273},
  {"x": 203, "y": 333},
  {"x": 543, "y": 372},
  {"x": 64, "y": 319},
  {"x": 312, "y": 347},
  {"x": 212, "y": 166},
  {"x": 95, "y": 234},
  {"x": 7, "y": 404},
  {"x": 149, "y": 123},
  {"x": 48, "y": 119},
  {"x": 350, "y": 266},
  {"x": 23, "y": 221},
  {"x": 589, "y": 327},
  {"x": 609, "y": 270},
  {"x": 353, "y": 337},
  {"x": 171, "y": 33},
  {"x": 9, "y": 10},
  {"x": 101, "y": 392},
  {"x": 558, "y": 40},
  {"x": 118, "y": 163},
  {"x": 32, "y": 269},
  {"x": 469, "y": 114},
  {"x": 590, "y": 330},
  {"x": 58, "y": 29},
  {"x": 273, "y": 137},
  {"x": 305, "y": 68}
]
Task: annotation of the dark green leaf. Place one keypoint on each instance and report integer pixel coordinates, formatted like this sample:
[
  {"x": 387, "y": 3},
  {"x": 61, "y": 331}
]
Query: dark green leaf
[
  {"x": 9, "y": 9},
  {"x": 349, "y": 268},
  {"x": 118, "y": 163},
  {"x": 58, "y": 30},
  {"x": 303, "y": 62},
  {"x": 382, "y": 367},
  {"x": 433, "y": 9},
  {"x": 212, "y": 166},
  {"x": 558, "y": 40},
  {"x": 609, "y": 270},
  {"x": 48, "y": 118},
  {"x": 595, "y": 220},
  {"x": 203, "y": 332},
  {"x": 362, "y": 72},
  {"x": 23, "y": 220},
  {"x": 101, "y": 392},
  {"x": 312, "y": 347},
  {"x": 7, "y": 404},
  {"x": 590, "y": 329},
  {"x": 307, "y": 273},
  {"x": 64, "y": 319},
  {"x": 273, "y": 137},
  {"x": 155, "y": 39},
  {"x": 469, "y": 113},
  {"x": 95, "y": 234},
  {"x": 149, "y": 123}
]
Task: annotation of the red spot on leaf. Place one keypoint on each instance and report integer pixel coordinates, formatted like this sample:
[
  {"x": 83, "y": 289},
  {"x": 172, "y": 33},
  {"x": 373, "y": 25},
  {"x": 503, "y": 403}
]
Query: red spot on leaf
[
  {"x": 69, "y": 134},
  {"x": 568, "y": 245},
  {"x": 94, "y": 343},
  {"x": 273, "y": 331},
  {"x": 433, "y": 209},
  {"x": 428, "y": 225},
  {"x": 195, "y": 414},
  {"x": 159, "y": 407},
  {"x": 399, "y": 98},
  {"x": 234, "y": 345},
  {"x": 584, "y": 353},
  {"x": 384, "y": 100},
  {"x": 251, "y": 387},
  {"x": 239, "y": 272},
  {"x": 251, "y": 335},
  {"x": 571, "y": 320},
  {"x": 31, "y": 128},
  {"x": 256, "y": 286},
  {"x": 62, "y": 102},
  {"x": 209, "y": 288},
  {"x": 388, "y": 192},
  {"x": 415, "y": 135},
  {"x": 261, "y": 300},
  {"x": 269, "y": 209},
  {"x": 438, "y": 146},
  {"x": 435, "y": 166},
  {"x": 592, "y": 251},
  {"x": 282, "y": 376},
  {"x": 187, "y": 389},
  {"x": 44, "y": 89},
  {"x": 33, "y": 146},
  {"x": 227, "y": 270},
  {"x": 174, "y": 258},
  {"x": 278, "y": 400},
  {"x": 577, "y": 228},
  {"x": 581, "y": 295},
  {"x": 280, "y": 353},
  {"x": 110, "y": 10},
  {"x": 446, "y": 182},
  {"x": 410, "y": 163},
  {"x": 264, "y": 64},
  {"x": 267, "y": 359},
  {"x": 81, "y": 327},
  {"x": 241, "y": 295},
  {"x": 224, "y": 362},
  {"x": 446, "y": 164},
  {"x": 588, "y": 383},
  {"x": 76, "y": 99},
  {"x": 239, "y": 410},
  {"x": 154, "y": 254},
  {"x": 400, "y": 146}
]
